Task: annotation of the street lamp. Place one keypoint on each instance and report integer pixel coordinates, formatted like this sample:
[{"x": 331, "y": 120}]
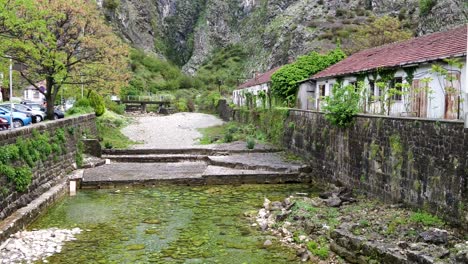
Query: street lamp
[{"x": 11, "y": 91}]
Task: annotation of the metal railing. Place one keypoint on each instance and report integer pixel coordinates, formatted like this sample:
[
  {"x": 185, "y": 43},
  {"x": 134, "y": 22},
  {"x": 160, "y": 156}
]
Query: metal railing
[{"x": 150, "y": 98}]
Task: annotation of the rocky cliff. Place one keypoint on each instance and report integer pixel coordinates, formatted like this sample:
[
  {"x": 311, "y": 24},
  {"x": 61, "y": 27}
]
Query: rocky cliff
[{"x": 271, "y": 31}]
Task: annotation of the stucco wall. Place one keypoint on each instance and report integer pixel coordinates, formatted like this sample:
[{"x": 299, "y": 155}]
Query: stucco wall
[
  {"x": 435, "y": 97},
  {"x": 419, "y": 162},
  {"x": 54, "y": 169}
]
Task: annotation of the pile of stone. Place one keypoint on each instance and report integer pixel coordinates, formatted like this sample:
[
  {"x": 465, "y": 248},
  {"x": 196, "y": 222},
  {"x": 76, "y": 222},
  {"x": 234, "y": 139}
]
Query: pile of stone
[
  {"x": 429, "y": 245},
  {"x": 31, "y": 246}
]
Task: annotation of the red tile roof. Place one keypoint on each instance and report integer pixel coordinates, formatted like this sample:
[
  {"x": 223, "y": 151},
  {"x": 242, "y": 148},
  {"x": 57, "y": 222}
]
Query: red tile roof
[
  {"x": 430, "y": 47},
  {"x": 262, "y": 78}
]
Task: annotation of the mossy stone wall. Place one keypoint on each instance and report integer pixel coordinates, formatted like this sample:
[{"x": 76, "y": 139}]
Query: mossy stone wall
[
  {"x": 51, "y": 171},
  {"x": 418, "y": 162}
]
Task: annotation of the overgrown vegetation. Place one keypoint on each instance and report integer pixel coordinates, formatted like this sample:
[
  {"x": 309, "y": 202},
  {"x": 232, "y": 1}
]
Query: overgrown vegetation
[
  {"x": 284, "y": 82},
  {"x": 260, "y": 126},
  {"x": 343, "y": 104},
  {"x": 425, "y": 6},
  {"x": 17, "y": 160},
  {"x": 109, "y": 126},
  {"x": 217, "y": 77},
  {"x": 383, "y": 30}
]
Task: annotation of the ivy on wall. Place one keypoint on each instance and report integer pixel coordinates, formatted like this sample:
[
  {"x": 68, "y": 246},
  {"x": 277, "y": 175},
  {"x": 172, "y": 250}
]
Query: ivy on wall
[
  {"x": 284, "y": 82},
  {"x": 17, "y": 160}
]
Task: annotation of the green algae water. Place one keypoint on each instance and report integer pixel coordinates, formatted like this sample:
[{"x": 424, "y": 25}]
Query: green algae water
[{"x": 170, "y": 224}]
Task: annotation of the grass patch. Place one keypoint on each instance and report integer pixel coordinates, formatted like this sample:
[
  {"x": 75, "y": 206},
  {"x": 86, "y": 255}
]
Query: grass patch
[
  {"x": 109, "y": 126},
  {"x": 229, "y": 132},
  {"x": 212, "y": 134},
  {"x": 426, "y": 219}
]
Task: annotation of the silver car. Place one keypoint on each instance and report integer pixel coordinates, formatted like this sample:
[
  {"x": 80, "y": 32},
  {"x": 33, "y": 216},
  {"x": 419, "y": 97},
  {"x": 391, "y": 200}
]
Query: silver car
[{"x": 37, "y": 115}]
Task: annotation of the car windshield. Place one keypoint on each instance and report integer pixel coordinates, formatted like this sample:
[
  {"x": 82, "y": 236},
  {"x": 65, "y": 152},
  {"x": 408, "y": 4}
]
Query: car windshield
[
  {"x": 35, "y": 106},
  {"x": 22, "y": 107},
  {"x": 4, "y": 109}
]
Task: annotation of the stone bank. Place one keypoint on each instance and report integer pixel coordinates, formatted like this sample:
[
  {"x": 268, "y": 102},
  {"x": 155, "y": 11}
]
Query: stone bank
[
  {"x": 49, "y": 176},
  {"x": 421, "y": 163}
]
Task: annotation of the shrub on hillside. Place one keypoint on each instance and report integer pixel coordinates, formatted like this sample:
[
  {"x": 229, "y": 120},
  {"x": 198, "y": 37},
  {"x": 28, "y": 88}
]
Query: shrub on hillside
[
  {"x": 97, "y": 102},
  {"x": 114, "y": 107}
]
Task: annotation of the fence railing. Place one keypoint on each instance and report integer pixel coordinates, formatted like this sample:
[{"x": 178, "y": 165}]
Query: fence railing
[{"x": 150, "y": 98}]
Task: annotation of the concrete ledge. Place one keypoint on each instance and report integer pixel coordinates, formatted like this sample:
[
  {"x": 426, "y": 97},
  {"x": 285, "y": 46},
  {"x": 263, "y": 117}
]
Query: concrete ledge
[
  {"x": 403, "y": 118},
  {"x": 25, "y": 215},
  {"x": 231, "y": 179},
  {"x": 185, "y": 151}
]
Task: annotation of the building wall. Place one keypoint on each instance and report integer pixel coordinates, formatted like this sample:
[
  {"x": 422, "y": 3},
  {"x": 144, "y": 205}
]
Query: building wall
[
  {"x": 421, "y": 163},
  {"x": 238, "y": 96},
  {"x": 434, "y": 99},
  {"x": 45, "y": 174},
  {"x": 33, "y": 95}
]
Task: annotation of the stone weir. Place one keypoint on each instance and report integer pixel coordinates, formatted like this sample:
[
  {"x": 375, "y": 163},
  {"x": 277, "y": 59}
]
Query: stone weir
[{"x": 197, "y": 166}]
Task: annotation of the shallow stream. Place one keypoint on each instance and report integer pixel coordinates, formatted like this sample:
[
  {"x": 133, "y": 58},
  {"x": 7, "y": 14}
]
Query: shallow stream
[{"x": 171, "y": 224}]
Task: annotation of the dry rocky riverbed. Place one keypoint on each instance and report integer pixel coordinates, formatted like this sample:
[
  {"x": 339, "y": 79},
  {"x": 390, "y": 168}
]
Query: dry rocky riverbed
[
  {"x": 336, "y": 227},
  {"x": 32, "y": 246},
  {"x": 170, "y": 131}
]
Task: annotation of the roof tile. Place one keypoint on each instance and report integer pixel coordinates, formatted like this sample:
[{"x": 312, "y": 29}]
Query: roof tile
[
  {"x": 260, "y": 79},
  {"x": 425, "y": 48}
]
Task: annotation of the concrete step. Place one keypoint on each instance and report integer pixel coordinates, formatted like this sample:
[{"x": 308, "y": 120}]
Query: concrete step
[
  {"x": 186, "y": 151},
  {"x": 156, "y": 158},
  {"x": 180, "y": 173}
]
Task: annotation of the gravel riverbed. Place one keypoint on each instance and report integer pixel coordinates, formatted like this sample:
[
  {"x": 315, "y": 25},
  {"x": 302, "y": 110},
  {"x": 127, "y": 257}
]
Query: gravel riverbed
[{"x": 173, "y": 131}]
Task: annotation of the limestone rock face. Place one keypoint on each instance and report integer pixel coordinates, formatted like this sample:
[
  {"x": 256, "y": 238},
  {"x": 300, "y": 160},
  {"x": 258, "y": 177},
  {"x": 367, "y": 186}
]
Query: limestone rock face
[{"x": 273, "y": 32}]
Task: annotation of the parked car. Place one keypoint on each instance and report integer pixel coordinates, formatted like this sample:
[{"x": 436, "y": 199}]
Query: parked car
[
  {"x": 37, "y": 115},
  {"x": 19, "y": 119},
  {"x": 4, "y": 124},
  {"x": 35, "y": 106}
]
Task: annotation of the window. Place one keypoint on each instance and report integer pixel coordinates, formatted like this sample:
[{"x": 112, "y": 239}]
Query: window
[
  {"x": 397, "y": 85},
  {"x": 322, "y": 89},
  {"x": 36, "y": 95},
  {"x": 372, "y": 91}
]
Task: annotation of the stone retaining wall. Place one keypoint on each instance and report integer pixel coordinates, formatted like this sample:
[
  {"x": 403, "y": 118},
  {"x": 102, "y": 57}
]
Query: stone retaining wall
[
  {"x": 418, "y": 162},
  {"x": 45, "y": 174}
]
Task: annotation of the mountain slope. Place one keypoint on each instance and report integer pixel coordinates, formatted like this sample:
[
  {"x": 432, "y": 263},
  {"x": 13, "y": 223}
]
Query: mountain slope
[{"x": 187, "y": 32}]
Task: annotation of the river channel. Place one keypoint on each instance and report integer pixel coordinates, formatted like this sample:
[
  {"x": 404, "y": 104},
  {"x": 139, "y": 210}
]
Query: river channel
[{"x": 170, "y": 224}]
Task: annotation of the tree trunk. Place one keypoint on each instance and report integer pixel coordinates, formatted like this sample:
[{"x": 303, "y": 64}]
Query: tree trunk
[{"x": 50, "y": 99}]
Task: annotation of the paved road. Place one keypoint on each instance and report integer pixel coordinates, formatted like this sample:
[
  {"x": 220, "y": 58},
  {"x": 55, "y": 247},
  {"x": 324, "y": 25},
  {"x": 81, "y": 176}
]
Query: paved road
[{"x": 172, "y": 131}]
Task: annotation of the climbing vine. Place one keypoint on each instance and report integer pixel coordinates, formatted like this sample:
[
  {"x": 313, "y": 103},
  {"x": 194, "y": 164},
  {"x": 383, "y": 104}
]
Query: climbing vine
[
  {"x": 409, "y": 74},
  {"x": 284, "y": 82}
]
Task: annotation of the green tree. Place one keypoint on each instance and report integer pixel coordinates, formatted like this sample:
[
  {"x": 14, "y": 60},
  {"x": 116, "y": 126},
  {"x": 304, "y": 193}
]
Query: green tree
[
  {"x": 64, "y": 42},
  {"x": 382, "y": 31}
]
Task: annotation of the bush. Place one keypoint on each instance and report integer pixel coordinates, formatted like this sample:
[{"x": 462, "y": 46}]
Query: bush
[
  {"x": 97, "y": 102},
  {"x": 182, "y": 105},
  {"x": 83, "y": 102},
  {"x": 425, "y": 6},
  {"x": 80, "y": 110},
  {"x": 250, "y": 143},
  {"x": 228, "y": 137},
  {"x": 108, "y": 145},
  {"x": 114, "y": 107},
  {"x": 342, "y": 105},
  {"x": 110, "y": 4}
]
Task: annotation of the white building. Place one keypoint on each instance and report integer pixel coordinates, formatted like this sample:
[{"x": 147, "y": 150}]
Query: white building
[
  {"x": 254, "y": 86},
  {"x": 399, "y": 78},
  {"x": 30, "y": 93}
]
